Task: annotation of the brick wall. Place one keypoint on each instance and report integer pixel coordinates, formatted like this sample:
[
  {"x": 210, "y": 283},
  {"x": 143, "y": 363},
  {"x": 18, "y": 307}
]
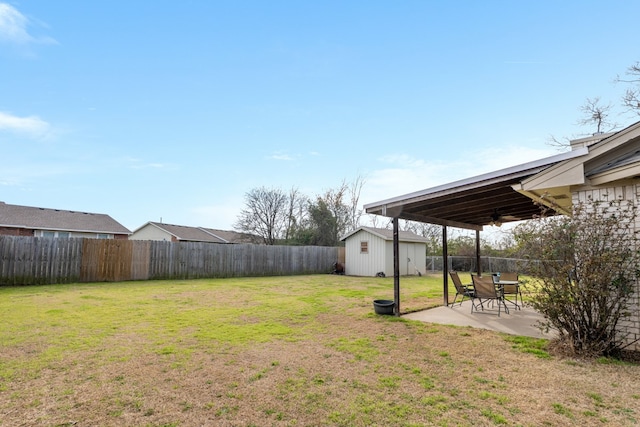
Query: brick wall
[
  {"x": 631, "y": 194},
  {"x": 10, "y": 231}
]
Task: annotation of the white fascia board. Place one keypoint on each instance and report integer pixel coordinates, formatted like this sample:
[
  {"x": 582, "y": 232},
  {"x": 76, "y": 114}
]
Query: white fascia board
[
  {"x": 562, "y": 175},
  {"x": 142, "y": 226},
  {"x": 351, "y": 233},
  {"x": 364, "y": 230}
]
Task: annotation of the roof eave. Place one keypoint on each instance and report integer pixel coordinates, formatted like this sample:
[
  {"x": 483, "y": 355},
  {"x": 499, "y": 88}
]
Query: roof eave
[{"x": 530, "y": 168}]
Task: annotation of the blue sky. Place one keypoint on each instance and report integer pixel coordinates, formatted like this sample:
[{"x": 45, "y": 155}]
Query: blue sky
[{"x": 154, "y": 109}]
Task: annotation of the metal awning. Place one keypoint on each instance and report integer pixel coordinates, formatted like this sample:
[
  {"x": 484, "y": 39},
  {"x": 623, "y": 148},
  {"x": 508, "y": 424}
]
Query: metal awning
[{"x": 474, "y": 202}]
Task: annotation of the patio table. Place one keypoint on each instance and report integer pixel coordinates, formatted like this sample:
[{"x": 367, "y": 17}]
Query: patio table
[{"x": 500, "y": 284}]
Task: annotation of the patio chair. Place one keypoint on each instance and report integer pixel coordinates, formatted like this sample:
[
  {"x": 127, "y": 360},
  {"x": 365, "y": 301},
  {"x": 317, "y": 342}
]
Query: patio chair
[
  {"x": 511, "y": 290},
  {"x": 484, "y": 291},
  {"x": 461, "y": 289}
]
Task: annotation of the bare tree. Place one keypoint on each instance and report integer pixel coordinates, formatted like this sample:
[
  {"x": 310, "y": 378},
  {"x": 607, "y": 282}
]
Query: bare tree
[
  {"x": 264, "y": 214},
  {"x": 432, "y": 232},
  {"x": 594, "y": 114},
  {"x": 597, "y": 115},
  {"x": 296, "y": 214},
  {"x": 275, "y": 215},
  {"x": 355, "y": 212},
  {"x": 631, "y": 97},
  {"x": 375, "y": 220}
]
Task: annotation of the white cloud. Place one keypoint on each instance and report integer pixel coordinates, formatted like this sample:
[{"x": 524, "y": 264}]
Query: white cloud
[
  {"x": 284, "y": 157},
  {"x": 13, "y": 27},
  {"x": 31, "y": 126},
  {"x": 407, "y": 174},
  {"x": 494, "y": 159}
]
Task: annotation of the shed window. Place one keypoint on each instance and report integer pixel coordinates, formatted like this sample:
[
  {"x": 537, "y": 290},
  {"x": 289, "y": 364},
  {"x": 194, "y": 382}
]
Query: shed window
[{"x": 364, "y": 247}]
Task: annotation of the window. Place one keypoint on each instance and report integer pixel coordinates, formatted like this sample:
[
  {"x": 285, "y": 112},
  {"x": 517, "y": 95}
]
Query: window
[
  {"x": 103, "y": 236},
  {"x": 364, "y": 247},
  {"x": 53, "y": 234}
]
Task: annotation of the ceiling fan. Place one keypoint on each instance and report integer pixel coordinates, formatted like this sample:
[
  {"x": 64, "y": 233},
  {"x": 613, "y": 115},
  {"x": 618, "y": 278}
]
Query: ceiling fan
[{"x": 497, "y": 219}]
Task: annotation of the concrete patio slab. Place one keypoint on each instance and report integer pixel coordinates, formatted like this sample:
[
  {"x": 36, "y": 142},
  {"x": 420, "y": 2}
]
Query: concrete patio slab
[{"x": 516, "y": 322}]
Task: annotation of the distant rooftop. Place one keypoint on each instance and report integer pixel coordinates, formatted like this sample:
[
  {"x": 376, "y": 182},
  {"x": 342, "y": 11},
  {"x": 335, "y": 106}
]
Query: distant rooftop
[{"x": 16, "y": 216}]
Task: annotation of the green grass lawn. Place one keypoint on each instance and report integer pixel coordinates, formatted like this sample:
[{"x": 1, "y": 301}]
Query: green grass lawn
[{"x": 290, "y": 351}]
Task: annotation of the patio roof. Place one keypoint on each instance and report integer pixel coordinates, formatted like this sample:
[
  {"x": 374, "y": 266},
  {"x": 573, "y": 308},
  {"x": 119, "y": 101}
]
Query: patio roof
[{"x": 474, "y": 202}]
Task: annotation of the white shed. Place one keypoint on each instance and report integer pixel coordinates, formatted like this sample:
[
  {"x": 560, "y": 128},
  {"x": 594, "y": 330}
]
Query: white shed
[{"x": 369, "y": 251}]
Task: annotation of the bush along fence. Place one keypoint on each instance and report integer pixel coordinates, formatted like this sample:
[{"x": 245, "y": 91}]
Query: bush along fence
[{"x": 33, "y": 260}]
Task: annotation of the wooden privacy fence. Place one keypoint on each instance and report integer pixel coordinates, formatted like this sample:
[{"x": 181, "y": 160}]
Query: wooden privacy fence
[{"x": 34, "y": 260}]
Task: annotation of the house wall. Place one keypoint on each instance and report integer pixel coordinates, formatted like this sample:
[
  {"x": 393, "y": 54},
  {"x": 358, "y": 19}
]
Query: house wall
[
  {"x": 11, "y": 231},
  {"x": 75, "y": 234},
  {"x": 359, "y": 264},
  {"x": 149, "y": 232},
  {"x": 631, "y": 194}
]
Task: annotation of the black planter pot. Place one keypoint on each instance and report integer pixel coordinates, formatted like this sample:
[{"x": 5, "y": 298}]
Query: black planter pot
[{"x": 383, "y": 306}]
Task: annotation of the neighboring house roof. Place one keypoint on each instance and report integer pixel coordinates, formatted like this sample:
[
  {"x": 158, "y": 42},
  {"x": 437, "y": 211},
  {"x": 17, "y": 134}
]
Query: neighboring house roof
[
  {"x": 233, "y": 236},
  {"x": 386, "y": 234},
  {"x": 27, "y": 217},
  {"x": 186, "y": 233},
  {"x": 201, "y": 234}
]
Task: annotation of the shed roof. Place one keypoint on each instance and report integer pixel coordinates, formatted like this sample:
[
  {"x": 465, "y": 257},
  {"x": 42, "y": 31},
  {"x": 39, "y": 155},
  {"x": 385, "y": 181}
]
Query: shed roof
[
  {"x": 16, "y": 216},
  {"x": 386, "y": 234},
  {"x": 474, "y": 202}
]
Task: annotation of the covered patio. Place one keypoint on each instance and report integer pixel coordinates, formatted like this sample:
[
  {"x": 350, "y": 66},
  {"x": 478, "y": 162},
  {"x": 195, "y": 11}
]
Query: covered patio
[
  {"x": 521, "y": 322},
  {"x": 490, "y": 199}
]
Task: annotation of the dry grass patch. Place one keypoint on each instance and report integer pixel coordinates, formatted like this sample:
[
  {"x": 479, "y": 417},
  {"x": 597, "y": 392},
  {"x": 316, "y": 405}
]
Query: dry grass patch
[{"x": 281, "y": 351}]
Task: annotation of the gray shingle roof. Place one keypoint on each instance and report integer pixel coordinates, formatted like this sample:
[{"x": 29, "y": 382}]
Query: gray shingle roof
[
  {"x": 189, "y": 234},
  {"x": 233, "y": 236},
  {"x": 28, "y": 217},
  {"x": 386, "y": 234}
]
